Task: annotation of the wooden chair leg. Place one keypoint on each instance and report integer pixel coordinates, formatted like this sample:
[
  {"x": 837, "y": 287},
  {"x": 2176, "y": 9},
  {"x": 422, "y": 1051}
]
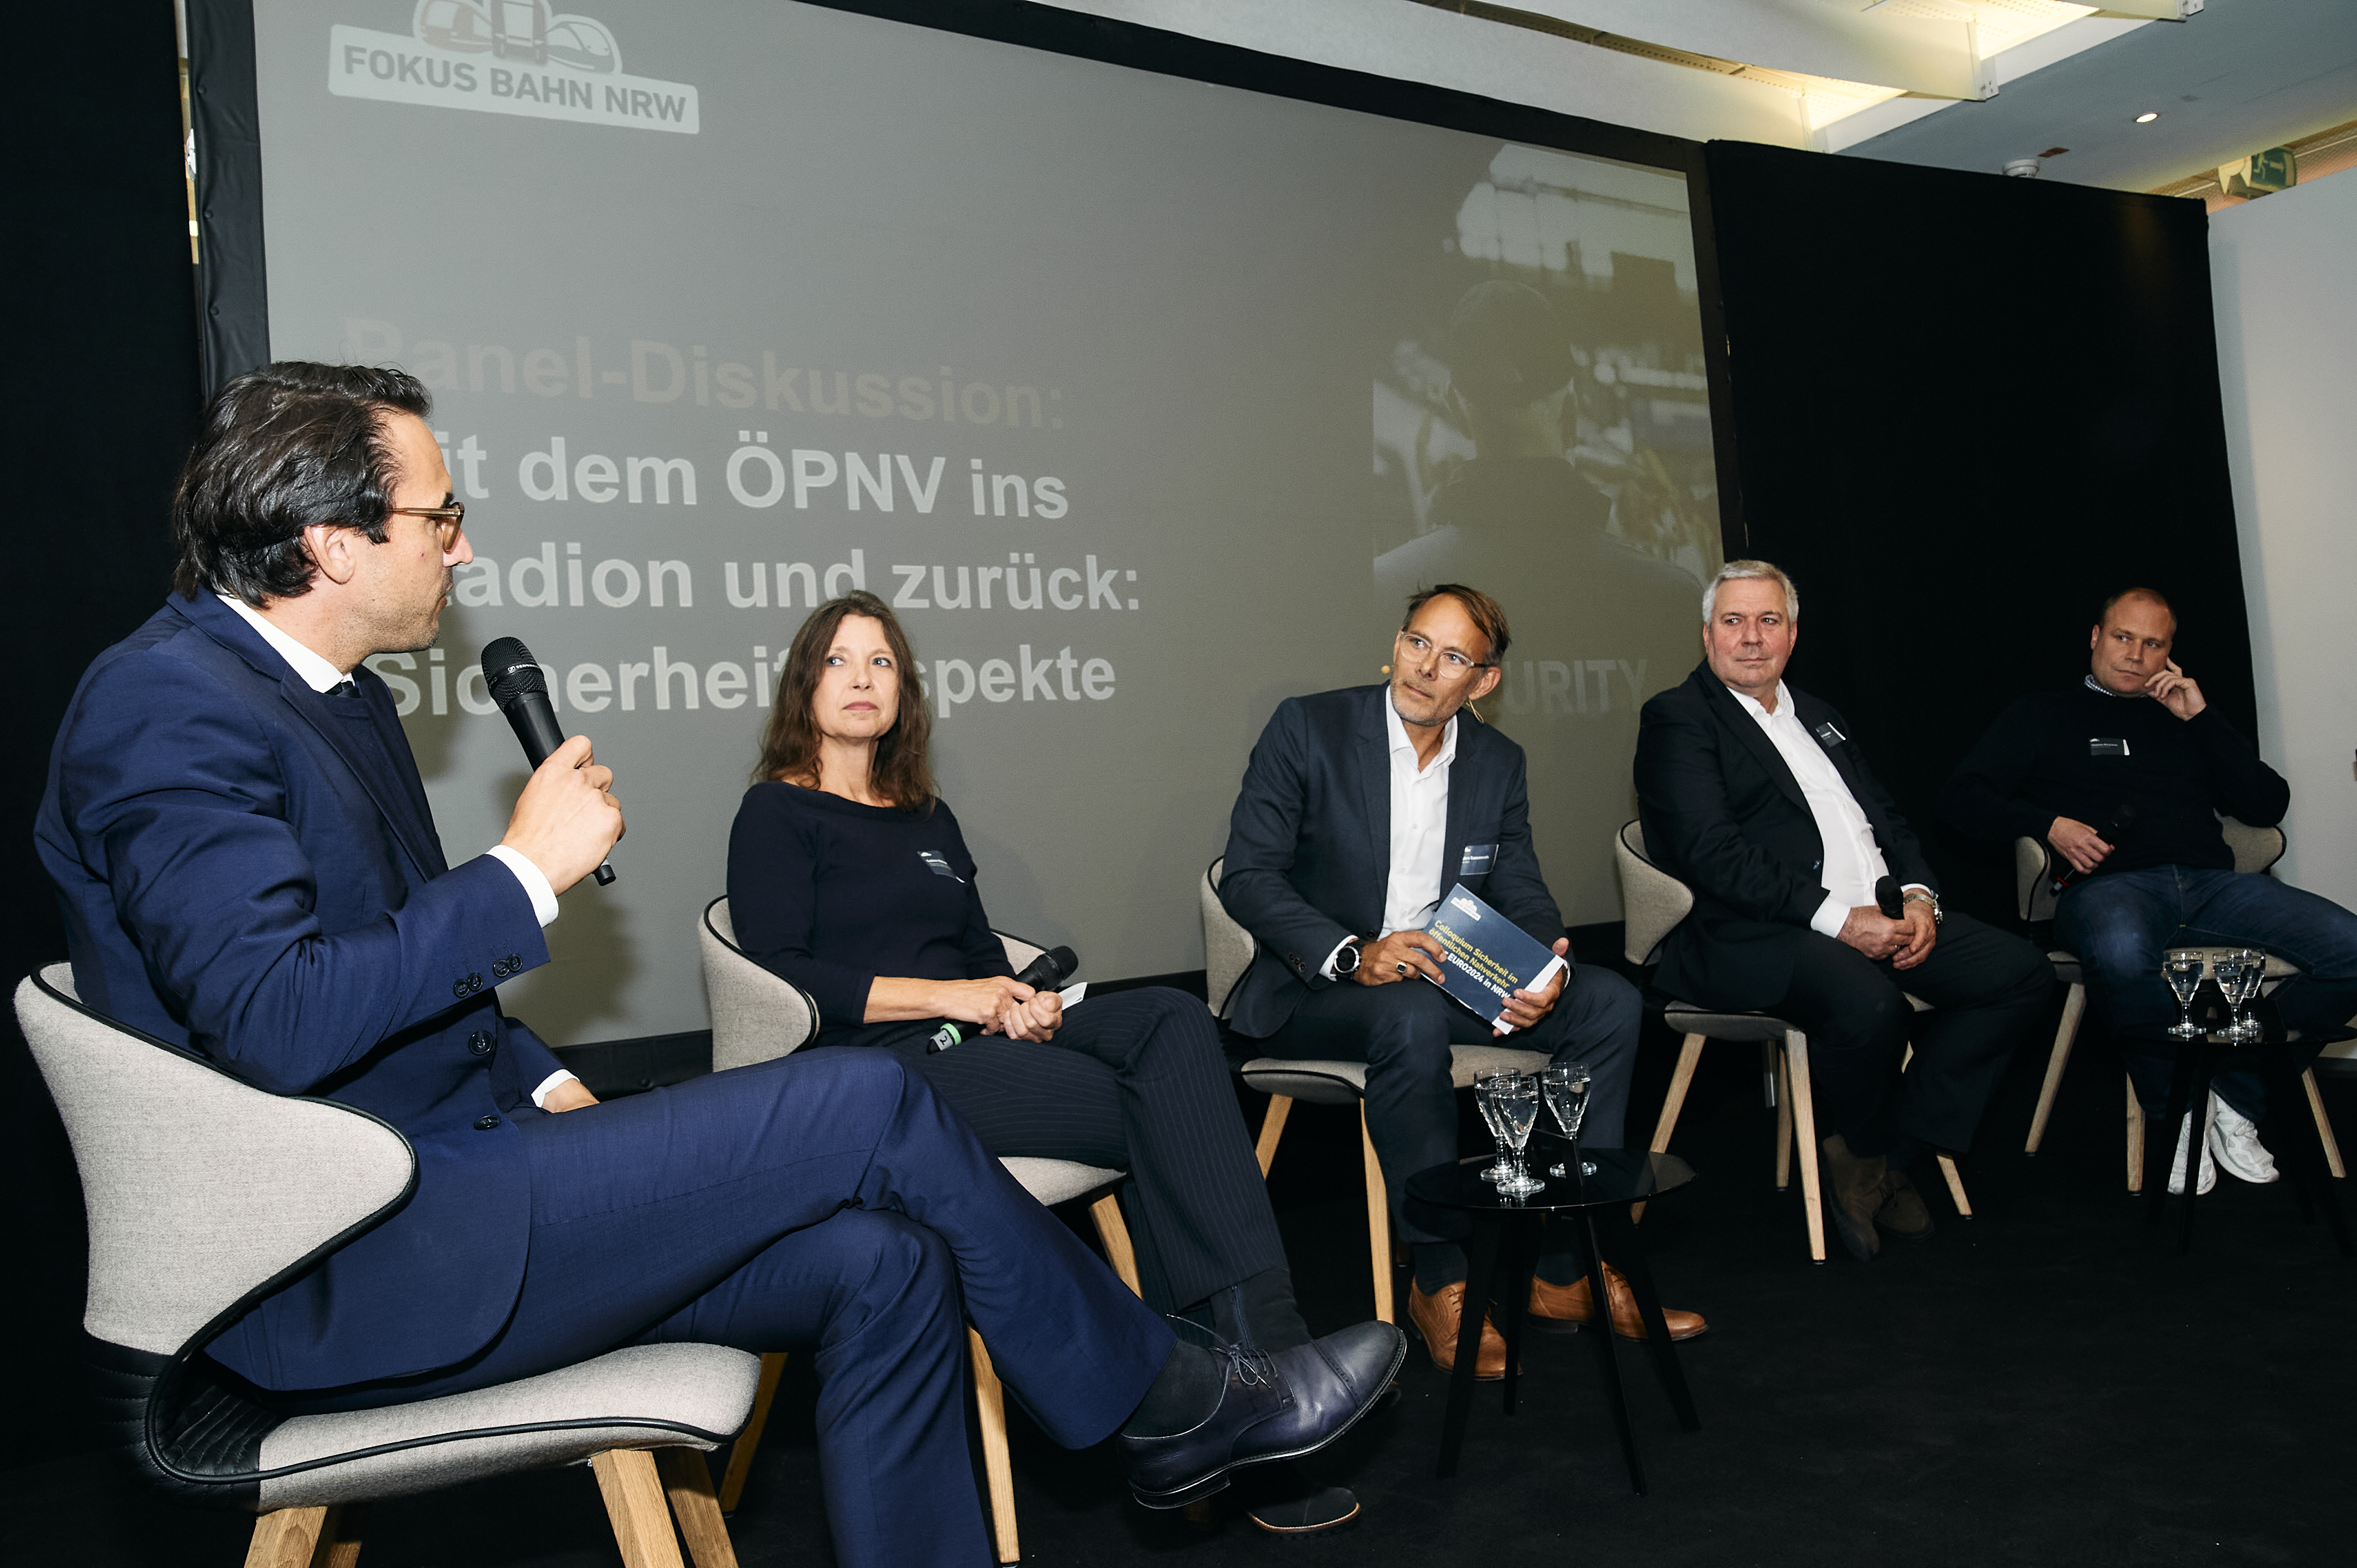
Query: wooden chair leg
[
  {"x": 341, "y": 1540},
  {"x": 2065, "y": 1035},
  {"x": 1115, "y": 1233},
  {"x": 1805, "y": 1133},
  {"x": 2136, "y": 1140},
  {"x": 687, "y": 1484},
  {"x": 1379, "y": 1220},
  {"x": 1784, "y": 1120},
  {"x": 293, "y": 1538},
  {"x": 740, "y": 1453},
  {"x": 1681, "y": 1079},
  {"x": 990, "y": 1406},
  {"x": 2323, "y": 1123},
  {"x": 1955, "y": 1187},
  {"x": 634, "y": 1503},
  {"x": 1271, "y": 1128}
]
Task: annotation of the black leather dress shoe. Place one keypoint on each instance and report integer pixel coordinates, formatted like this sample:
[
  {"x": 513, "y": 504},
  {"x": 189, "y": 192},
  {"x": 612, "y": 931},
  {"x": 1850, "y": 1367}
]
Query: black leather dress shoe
[{"x": 1271, "y": 1407}]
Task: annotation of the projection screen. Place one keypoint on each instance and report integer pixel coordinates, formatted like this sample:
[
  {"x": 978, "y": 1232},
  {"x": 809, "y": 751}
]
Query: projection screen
[{"x": 1146, "y": 400}]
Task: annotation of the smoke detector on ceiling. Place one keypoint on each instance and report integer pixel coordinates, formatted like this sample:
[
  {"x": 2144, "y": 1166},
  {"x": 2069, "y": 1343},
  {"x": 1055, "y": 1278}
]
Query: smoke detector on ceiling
[{"x": 2023, "y": 168}]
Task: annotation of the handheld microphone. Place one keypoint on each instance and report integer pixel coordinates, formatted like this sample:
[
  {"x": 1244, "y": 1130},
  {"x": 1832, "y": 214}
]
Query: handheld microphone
[
  {"x": 1045, "y": 972},
  {"x": 2115, "y": 828},
  {"x": 513, "y": 678},
  {"x": 1890, "y": 899}
]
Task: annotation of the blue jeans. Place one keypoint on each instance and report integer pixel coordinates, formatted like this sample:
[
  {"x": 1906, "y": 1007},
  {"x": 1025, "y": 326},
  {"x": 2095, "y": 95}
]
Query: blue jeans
[{"x": 2119, "y": 924}]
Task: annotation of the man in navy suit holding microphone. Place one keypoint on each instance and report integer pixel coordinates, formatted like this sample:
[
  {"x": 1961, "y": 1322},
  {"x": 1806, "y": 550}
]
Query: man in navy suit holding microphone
[
  {"x": 1360, "y": 809},
  {"x": 249, "y": 870}
]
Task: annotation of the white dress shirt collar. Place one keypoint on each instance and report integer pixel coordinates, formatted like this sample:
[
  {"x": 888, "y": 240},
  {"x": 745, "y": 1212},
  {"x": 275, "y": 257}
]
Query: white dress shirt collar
[
  {"x": 316, "y": 672},
  {"x": 1395, "y": 727}
]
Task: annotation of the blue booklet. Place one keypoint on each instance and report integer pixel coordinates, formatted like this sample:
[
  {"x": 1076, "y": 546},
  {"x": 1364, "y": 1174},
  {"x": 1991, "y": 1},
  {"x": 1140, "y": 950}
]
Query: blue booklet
[{"x": 1488, "y": 958}]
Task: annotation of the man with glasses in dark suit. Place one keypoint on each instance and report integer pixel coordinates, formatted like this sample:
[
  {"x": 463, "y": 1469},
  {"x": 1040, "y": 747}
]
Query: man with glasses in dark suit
[{"x": 1359, "y": 809}]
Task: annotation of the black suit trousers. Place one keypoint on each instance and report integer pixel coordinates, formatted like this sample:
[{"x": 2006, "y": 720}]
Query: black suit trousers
[
  {"x": 1985, "y": 987},
  {"x": 1135, "y": 1080}
]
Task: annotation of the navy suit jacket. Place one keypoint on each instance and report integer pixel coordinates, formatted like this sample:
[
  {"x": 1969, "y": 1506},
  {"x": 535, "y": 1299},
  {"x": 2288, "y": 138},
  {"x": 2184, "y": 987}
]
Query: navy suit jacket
[
  {"x": 1724, "y": 814},
  {"x": 1309, "y": 843},
  {"x": 248, "y": 869}
]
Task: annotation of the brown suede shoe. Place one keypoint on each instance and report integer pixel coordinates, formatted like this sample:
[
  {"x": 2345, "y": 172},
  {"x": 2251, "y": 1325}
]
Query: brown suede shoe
[
  {"x": 1854, "y": 1189},
  {"x": 1437, "y": 1318},
  {"x": 1563, "y": 1308},
  {"x": 1902, "y": 1213}
]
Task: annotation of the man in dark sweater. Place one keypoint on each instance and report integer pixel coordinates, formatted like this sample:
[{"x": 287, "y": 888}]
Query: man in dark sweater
[{"x": 2125, "y": 775}]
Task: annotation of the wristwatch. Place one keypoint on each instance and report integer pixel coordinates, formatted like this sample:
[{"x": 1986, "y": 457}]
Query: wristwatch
[
  {"x": 1922, "y": 895},
  {"x": 1346, "y": 958}
]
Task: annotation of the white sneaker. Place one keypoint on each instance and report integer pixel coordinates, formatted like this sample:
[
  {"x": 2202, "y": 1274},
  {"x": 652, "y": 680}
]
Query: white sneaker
[
  {"x": 2177, "y": 1171},
  {"x": 2236, "y": 1143}
]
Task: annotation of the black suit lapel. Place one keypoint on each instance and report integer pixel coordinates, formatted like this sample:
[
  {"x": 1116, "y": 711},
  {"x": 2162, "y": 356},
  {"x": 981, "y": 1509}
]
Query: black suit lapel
[
  {"x": 1375, "y": 758},
  {"x": 1734, "y": 718},
  {"x": 419, "y": 825},
  {"x": 1814, "y": 715}
]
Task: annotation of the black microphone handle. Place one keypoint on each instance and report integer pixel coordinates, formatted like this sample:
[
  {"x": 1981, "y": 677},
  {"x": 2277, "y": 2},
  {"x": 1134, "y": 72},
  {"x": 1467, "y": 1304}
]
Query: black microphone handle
[
  {"x": 1888, "y": 898},
  {"x": 535, "y": 722},
  {"x": 535, "y": 727}
]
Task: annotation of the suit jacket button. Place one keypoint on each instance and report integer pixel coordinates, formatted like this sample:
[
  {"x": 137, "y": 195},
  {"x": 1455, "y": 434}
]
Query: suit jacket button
[
  {"x": 459, "y": 986},
  {"x": 499, "y": 969},
  {"x": 485, "y": 1124},
  {"x": 474, "y": 983},
  {"x": 481, "y": 1042}
]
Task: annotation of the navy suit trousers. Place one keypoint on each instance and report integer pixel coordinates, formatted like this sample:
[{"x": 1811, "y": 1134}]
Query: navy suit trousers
[
  {"x": 827, "y": 1202},
  {"x": 1403, "y": 1031}
]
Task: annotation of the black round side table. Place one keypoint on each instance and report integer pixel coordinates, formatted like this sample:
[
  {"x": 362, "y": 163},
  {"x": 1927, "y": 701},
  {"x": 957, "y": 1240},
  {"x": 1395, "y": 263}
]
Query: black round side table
[{"x": 1503, "y": 1254}]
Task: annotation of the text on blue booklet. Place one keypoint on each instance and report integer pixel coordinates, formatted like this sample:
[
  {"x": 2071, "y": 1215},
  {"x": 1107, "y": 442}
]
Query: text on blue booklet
[{"x": 1487, "y": 957}]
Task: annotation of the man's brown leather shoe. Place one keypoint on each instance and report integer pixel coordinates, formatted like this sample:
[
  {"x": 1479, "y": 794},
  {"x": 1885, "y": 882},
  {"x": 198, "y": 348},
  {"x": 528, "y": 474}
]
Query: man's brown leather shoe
[
  {"x": 1437, "y": 1318},
  {"x": 1563, "y": 1307}
]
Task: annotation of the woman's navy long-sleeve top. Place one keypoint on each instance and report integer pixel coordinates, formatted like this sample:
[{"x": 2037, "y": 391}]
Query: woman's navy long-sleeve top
[{"x": 829, "y": 894}]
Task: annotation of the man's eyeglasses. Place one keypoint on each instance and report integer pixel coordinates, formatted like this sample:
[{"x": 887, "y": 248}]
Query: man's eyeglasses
[
  {"x": 1453, "y": 665},
  {"x": 448, "y": 521}
]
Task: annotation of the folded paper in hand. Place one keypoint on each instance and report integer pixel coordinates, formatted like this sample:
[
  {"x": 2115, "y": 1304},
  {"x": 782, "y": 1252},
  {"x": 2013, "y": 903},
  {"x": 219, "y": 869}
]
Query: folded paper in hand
[{"x": 1486, "y": 957}]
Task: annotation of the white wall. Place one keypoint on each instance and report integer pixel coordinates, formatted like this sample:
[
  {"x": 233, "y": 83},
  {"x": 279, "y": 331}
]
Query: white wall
[{"x": 2287, "y": 367}]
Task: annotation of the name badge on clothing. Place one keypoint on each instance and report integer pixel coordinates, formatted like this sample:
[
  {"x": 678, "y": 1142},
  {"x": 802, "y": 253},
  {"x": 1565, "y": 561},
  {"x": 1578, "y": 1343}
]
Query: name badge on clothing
[
  {"x": 2097, "y": 746},
  {"x": 1828, "y": 735},
  {"x": 937, "y": 865},
  {"x": 1476, "y": 860}
]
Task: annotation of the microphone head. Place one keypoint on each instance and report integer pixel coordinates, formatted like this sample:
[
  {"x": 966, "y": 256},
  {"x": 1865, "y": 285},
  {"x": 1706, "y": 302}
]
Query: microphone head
[
  {"x": 1064, "y": 960},
  {"x": 509, "y": 670}
]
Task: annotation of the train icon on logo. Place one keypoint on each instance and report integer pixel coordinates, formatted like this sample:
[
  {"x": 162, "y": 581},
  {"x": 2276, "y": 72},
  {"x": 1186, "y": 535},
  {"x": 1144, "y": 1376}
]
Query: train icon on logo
[{"x": 525, "y": 30}]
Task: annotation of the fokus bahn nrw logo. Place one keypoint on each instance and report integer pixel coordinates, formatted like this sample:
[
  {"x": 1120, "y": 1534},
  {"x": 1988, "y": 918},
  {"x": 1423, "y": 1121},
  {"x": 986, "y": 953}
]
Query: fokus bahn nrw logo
[{"x": 505, "y": 56}]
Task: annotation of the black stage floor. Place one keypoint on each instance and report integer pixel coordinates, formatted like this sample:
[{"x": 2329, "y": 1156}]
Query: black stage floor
[{"x": 2047, "y": 1383}]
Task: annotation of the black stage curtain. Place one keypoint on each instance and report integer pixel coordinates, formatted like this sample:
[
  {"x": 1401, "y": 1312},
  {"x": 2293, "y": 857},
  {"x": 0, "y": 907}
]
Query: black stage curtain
[
  {"x": 97, "y": 413},
  {"x": 1966, "y": 408}
]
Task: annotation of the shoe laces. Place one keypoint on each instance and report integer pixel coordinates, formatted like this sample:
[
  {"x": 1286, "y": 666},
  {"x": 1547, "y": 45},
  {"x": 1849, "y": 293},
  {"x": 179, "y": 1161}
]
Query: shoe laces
[{"x": 1250, "y": 1364}]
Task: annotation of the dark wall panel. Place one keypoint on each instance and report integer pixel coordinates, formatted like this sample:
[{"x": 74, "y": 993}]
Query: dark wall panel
[
  {"x": 97, "y": 415},
  {"x": 1966, "y": 407}
]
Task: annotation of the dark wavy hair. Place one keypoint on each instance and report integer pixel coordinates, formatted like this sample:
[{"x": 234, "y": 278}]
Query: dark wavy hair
[
  {"x": 903, "y": 772},
  {"x": 281, "y": 448},
  {"x": 1486, "y": 613}
]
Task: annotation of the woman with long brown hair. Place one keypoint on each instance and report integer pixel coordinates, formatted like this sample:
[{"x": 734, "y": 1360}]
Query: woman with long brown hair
[{"x": 848, "y": 876}]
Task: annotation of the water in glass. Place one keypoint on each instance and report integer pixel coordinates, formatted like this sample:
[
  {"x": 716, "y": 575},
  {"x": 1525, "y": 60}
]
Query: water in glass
[{"x": 2182, "y": 969}]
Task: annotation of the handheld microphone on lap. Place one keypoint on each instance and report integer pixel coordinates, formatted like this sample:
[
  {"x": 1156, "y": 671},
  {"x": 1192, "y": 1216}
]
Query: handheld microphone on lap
[
  {"x": 1045, "y": 972},
  {"x": 2115, "y": 828},
  {"x": 1890, "y": 899},
  {"x": 513, "y": 678}
]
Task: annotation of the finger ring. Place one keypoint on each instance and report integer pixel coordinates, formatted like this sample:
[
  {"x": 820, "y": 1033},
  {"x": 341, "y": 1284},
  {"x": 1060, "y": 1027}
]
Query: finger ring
[{"x": 1401, "y": 967}]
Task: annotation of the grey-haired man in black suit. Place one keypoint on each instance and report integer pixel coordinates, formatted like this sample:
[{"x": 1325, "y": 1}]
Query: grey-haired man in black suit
[
  {"x": 1359, "y": 809},
  {"x": 1755, "y": 796}
]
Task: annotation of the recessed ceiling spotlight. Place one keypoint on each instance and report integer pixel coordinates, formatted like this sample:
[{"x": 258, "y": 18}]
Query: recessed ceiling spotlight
[{"x": 2147, "y": 117}]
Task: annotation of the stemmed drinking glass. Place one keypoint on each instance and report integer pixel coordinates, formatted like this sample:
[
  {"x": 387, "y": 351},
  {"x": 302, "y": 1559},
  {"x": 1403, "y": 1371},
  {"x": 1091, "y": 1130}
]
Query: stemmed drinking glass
[
  {"x": 1518, "y": 1110},
  {"x": 1485, "y": 1096},
  {"x": 1564, "y": 1084},
  {"x": 2248, "y": 968},
  {"x": 2181, "y": 967}
]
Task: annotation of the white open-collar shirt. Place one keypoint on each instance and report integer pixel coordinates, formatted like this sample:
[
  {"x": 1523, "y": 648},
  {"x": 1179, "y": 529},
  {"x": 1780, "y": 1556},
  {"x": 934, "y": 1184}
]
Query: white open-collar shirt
[
  {"x": 1419, "y": 824},
  {"x": 1854, "y": 862}
]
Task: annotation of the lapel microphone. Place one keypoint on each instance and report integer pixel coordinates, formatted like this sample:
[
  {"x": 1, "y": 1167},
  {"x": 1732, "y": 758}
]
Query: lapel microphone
[{"x": 513, "y": 678}]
